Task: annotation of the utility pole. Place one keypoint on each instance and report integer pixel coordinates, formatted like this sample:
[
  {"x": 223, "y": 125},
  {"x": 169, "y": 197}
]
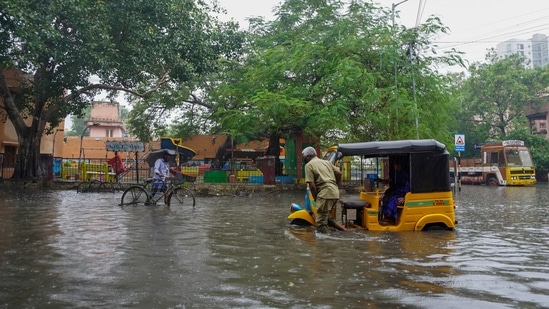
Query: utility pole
[{"x": 394, "y": 60}]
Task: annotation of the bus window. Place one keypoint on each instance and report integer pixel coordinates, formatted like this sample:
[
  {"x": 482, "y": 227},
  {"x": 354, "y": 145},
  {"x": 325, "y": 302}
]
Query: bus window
[
  {"x": 493, "y": 158},
  {"x": 502, "y": 159},
  {"x": 512, "y": 156},
  {"x": 525, "y": 158}
]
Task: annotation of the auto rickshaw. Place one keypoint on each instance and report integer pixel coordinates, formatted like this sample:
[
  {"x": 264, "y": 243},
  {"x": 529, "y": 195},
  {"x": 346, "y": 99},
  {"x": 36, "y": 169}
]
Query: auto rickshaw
[{"x": 427, "y": 205}]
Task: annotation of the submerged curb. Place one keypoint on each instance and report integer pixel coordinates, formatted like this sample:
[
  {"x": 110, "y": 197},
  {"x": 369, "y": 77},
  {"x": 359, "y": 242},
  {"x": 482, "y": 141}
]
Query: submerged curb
[{"x": 201, "y": 189}]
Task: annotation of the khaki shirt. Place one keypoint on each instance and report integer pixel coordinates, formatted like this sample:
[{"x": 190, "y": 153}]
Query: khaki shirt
[{"x": 321, "y": 172}]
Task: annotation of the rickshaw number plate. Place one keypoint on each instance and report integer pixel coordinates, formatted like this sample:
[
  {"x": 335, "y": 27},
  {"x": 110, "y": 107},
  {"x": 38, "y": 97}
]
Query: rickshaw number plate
[{"x": 351, "y": 214}]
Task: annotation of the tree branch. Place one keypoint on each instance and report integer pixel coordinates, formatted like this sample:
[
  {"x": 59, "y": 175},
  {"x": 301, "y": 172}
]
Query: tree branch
[{"x": 163, "y": 79}]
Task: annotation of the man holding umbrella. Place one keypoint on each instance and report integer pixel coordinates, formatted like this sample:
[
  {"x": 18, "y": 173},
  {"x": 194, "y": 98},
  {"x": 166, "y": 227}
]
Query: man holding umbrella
[{"x": 160, "y": 172}]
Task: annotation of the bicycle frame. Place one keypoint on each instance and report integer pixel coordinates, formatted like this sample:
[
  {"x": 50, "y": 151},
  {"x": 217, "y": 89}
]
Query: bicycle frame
[
  {"x": 157, "y": 195},
  {"x": 144, "y": 194}
]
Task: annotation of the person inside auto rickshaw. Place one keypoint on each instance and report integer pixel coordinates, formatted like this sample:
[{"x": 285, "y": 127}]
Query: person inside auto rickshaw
[{"x": 393, "y": 196}]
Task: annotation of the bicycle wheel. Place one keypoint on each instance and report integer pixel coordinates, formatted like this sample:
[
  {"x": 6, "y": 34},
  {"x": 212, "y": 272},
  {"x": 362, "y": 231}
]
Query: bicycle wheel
[
  {"x": 134, "y": 195},
  {"x": 181, "y": 197},
  {"x": 83, "y": 187}
]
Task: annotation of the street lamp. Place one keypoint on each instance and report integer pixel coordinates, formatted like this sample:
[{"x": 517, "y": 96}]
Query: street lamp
[
  {"x": 95, "y": 124},
  {"x": 394, "y": 6},
  {"x": 54, "y": 135}
]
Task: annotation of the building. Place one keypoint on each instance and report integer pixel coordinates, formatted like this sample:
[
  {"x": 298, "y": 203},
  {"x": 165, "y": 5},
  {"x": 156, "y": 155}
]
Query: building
[
  {"x": 515, "y": 46},
  {"x": 538, "y": 119},
  {"x": 105, "y": 120},
  {"x": 540, "y": 50},
  {"x": 535, "y": 49}
]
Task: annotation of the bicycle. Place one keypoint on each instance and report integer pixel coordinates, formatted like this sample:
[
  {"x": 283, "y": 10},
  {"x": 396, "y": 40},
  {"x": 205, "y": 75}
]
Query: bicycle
[
  {"x": 97, "y": 186},
  {"x": 174, "y": 194}
]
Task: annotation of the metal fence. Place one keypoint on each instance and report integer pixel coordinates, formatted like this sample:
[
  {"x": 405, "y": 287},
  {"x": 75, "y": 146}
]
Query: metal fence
[
  {"x": 63, "y": 169},
  {"x": 100, "y": 169}
]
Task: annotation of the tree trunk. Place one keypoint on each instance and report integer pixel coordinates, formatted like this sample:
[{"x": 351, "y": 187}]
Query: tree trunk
[
  {"x": 28, "y": 157},
  {"x": 274, "y": 150}
]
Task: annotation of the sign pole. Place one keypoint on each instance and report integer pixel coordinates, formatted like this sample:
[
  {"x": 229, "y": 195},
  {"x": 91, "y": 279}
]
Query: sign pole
[
  {"x": 459, "y": 142},
  {"x": 459, "y": 171}
]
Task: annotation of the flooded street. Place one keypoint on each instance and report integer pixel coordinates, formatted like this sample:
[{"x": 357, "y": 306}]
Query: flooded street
[{"x": 63, "y": 249}]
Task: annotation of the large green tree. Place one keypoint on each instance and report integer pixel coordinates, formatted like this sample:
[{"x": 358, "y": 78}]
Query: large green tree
[
  {"x": 133, "y": 46},
  {"x": 495, "y": 96},
  {"x": 492, "y": 102},
  {"x": 337, "y": 70}
]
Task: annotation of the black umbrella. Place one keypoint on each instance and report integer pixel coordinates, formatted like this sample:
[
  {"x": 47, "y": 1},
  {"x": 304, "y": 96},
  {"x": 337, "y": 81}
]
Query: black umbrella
[{"x": 158, "y": 154}]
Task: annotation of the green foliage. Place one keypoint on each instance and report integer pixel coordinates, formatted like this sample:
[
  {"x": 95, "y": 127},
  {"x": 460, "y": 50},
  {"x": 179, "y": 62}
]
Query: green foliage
[
  {"x": 496, "y": 94},
  {"x": 493, "y": 101},
  {"x": 137, "y": 47},
  {"x": 79, "y": 124},
  {"x": 328, "y": 69},
  {"x": 177, "y": 108}
]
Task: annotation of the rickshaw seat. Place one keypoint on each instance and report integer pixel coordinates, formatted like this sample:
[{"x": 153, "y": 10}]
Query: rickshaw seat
[{"x": 355, "y": 204}]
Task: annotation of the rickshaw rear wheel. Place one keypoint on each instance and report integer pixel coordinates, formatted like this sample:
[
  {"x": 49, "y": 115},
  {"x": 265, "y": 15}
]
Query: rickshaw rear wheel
[
  {"x": 435, "y": 227},
  {"x": 300, "y": 222},
  {"x": 181, "y": 197},
  {"x": 134, "y": 195}
]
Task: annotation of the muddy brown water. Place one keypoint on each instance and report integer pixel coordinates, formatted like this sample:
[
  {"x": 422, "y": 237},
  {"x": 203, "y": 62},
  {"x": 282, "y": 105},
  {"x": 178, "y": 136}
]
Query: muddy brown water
[{"x": 63, "y": 249}]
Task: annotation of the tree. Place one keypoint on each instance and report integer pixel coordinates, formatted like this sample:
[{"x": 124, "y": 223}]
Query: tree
[
  {"x": 78, "y": 124},
  {"x": 137, "y": 47},
  {"x": 495, "y": 96},
  {"x": 326, "y": 68}
]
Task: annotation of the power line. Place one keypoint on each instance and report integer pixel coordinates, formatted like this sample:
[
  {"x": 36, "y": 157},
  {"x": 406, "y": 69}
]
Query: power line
[{"x": 506, "y": 31}]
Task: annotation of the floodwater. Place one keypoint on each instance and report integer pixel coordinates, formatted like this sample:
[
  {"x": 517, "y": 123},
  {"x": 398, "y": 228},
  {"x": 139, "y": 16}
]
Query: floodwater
[{"x": 63, "y": 249}]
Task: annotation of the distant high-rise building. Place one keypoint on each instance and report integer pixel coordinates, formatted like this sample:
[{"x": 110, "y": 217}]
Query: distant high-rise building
[
  {"x": 535, "y": 49},
  {"x": 515, "y": 46},
  {"x": 540, "y": 50}
]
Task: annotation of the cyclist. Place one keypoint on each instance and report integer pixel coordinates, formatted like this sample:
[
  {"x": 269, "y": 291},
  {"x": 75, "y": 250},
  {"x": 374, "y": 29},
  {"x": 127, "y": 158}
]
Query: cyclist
[{"x": 160, "y": 173}]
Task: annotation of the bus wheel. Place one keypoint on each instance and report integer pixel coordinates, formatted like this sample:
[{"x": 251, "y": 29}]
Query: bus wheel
[{"x": 492, "y": 182}]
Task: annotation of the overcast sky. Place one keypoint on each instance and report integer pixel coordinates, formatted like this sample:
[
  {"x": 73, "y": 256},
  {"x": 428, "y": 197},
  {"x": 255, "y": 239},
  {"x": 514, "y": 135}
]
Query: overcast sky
[{"x": 475, "y": 25}]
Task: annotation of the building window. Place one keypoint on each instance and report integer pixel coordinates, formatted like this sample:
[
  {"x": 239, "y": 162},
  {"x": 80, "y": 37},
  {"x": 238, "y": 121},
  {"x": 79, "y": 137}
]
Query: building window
[{"x": 109, "y": 132}]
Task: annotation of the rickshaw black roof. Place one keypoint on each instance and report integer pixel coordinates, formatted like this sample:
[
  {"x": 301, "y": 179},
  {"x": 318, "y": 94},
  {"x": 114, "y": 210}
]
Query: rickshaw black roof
[{"x": 384, "y": 148}]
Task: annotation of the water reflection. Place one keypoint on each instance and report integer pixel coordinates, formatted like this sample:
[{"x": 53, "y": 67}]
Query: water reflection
[{"x": 67, "y": 249}]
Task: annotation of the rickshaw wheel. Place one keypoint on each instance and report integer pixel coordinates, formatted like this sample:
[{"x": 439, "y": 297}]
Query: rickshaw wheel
[
  {"x": 435, "y": 227},
  {"x": 300, "y": 222},
  {"x": 181, "y": 197},
  {"x": 134, "y": 195}
]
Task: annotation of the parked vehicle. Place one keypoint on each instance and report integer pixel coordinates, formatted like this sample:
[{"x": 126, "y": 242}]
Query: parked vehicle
[
  {"x": 506, "y": 163},
  {"x": 429, "y": 204}
]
